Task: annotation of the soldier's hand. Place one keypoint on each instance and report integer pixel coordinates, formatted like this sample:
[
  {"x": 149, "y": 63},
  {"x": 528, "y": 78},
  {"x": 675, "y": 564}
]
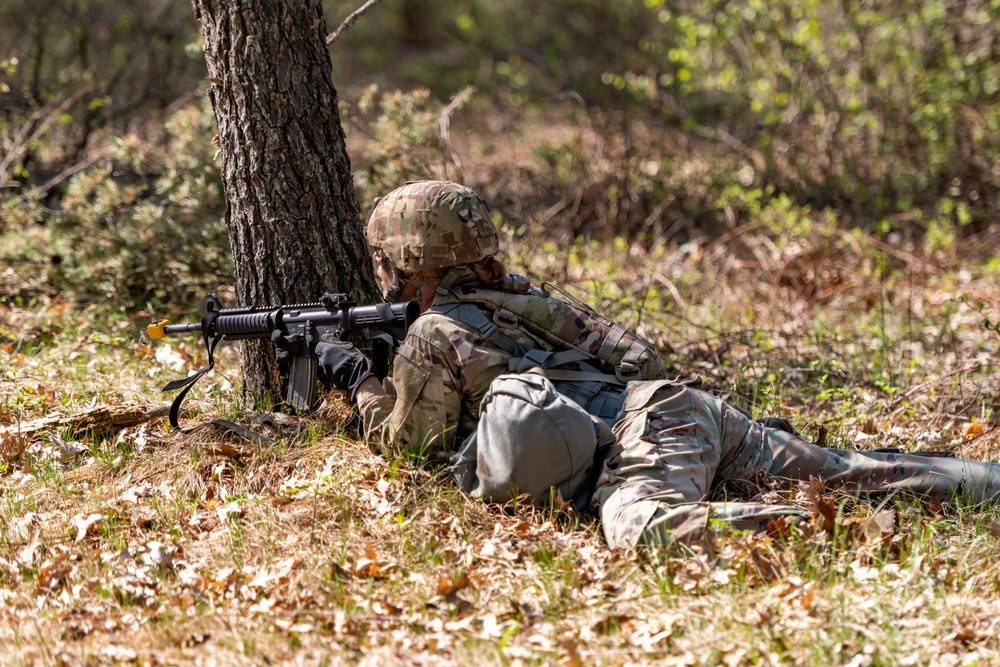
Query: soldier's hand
[
  {"x": 285, "y": 347},
  {"x": 342, "y": 366}
]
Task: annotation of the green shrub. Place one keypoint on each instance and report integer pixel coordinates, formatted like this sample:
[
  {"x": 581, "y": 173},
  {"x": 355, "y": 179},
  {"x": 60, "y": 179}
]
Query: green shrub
[
  {"x": 143, "y": 225},
  {"x": 874, "y": 108}
]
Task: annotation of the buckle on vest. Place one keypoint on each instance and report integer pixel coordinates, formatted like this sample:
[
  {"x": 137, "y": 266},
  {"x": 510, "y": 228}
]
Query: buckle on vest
[
  {"x": 627, "y": 372},
  {"x": 505, "y": 318}
]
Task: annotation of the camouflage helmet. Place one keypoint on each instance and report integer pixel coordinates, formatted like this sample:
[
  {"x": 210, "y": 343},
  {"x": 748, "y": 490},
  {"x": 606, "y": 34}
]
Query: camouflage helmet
[{"x": 430, "y": 224}]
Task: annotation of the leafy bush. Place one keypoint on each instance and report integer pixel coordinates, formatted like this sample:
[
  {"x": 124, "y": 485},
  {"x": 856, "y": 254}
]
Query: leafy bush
[
  {"x": 880, "y": 110},
  {"x": 397, "y": 138},
  {"x": 877, "y": 108},
  {"x": 71, "y": 69},
  {"x": 144, "y": 225}
]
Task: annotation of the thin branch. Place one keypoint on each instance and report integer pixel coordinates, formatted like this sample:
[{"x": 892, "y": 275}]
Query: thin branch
[
  {"x": 349, "y": 21},
  {"x": 33, "y": 128},
  {"x": 444, "y": 123}
]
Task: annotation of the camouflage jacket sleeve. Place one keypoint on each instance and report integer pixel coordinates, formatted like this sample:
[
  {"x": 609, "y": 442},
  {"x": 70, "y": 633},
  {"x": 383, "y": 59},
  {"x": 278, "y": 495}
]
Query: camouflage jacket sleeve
[{"x": 441, "y": 372}]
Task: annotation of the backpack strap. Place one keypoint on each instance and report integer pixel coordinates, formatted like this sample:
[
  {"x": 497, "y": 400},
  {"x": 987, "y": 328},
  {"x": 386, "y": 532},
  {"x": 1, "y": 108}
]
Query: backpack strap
[
  {"x": 469, "y": 313},
  {"x": 550, "y": 364},
  {"x": 568, "y": 375},
  {"x": 543, "y": 359}
]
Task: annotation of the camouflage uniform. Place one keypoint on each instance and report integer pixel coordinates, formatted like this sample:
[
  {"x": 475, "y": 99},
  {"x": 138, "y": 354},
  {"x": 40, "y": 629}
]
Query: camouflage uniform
[
  {"x": 441, "y": 373},
  {"x": 673, "y": 445}
]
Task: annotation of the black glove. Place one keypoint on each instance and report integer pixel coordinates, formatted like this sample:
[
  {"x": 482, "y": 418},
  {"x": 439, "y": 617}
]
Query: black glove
[
  {"x": 343, "y": 366},
  {"x": 285, "y": 347}
]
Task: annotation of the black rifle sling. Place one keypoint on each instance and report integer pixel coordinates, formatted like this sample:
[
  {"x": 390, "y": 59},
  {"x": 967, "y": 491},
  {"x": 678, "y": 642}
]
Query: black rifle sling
[{"x": 188, "y": 382}]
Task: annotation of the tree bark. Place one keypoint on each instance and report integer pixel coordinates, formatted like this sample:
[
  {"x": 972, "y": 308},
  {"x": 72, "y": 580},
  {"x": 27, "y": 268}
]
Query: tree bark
[{"x": 292, "y": 213}]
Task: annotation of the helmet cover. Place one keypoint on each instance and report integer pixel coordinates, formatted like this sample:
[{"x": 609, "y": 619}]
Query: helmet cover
[{"x": 432, "y": 224}]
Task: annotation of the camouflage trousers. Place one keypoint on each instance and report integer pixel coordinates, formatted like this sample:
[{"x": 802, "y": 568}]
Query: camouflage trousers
[{"x": 676, "y": 444}]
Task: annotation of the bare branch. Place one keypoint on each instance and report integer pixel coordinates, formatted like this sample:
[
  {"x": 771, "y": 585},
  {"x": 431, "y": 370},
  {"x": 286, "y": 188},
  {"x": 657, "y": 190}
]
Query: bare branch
[
  {"x": 444, "y": 121},
  {"x": 335, "y": 35}
]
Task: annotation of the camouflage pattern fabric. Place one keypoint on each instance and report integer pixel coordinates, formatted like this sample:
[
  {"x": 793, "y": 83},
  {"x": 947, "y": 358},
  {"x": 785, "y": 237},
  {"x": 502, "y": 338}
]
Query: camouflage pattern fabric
[
  {"x": 565, "y": 324},
  {"x": 441, "y": 373},
  {"x": 432, "y": 224},
  {"x": 675, "y": 444}
]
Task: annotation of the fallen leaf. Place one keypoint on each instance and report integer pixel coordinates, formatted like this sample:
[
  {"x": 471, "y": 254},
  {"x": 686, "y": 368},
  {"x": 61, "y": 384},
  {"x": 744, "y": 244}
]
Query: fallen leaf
[
  {"x": 822, "y": 506},
  {"x": 687, "y": 579},
  {"x": 136, "y": 493},
  {"x": 885, "y": 521},
  {"x": 369, "y": 569},
  {"x": 722, "y": 576},
  {"x": 222, "y": 449},
  {"x": 12, "y": 446},
  {"x": 68, "y": 450},
  {"x": 385, "y": 608},
  {"x": 52, "y": 572},
  {"x": 280, "y": 573},
  {"x": 86, "y": 525},
  {"x": 861, "y": 573},
  {"x": 27, "y": 555},
  {"x": 157, "y": 556},
  {"x": 447, "y": 586},
  {"x": 522, "y": 529},
  {"x": 339, "y": 573},
  {"x": 573, "y": 658}
]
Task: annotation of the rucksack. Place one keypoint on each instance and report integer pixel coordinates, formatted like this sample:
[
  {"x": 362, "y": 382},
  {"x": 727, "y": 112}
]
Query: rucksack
[
  {"x": 573, "y": 328},
  {"x": 531, "y": 440}
]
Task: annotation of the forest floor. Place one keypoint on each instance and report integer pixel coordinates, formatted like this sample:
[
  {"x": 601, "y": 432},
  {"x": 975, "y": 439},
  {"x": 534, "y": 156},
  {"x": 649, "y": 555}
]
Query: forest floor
[{"x": 122, "y": 541}]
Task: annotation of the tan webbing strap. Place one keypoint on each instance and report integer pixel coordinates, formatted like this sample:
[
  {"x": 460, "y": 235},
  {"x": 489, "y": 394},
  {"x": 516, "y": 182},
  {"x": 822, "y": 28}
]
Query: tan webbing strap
[
  {"x": 634, "y": 354},
  {"x": 611, "y": 341}
]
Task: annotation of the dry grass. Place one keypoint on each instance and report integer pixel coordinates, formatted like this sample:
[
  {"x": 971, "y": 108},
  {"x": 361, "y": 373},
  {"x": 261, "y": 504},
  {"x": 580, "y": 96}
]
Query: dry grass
[{"x": 155, "y": 547}]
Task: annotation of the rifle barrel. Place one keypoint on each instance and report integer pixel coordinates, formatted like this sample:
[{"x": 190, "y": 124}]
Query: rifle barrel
[{"x": 182, "y": 328}]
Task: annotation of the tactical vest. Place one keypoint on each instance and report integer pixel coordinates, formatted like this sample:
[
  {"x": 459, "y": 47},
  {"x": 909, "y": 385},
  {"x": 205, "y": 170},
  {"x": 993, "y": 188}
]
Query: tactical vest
[{"x": 589, "y": 357}]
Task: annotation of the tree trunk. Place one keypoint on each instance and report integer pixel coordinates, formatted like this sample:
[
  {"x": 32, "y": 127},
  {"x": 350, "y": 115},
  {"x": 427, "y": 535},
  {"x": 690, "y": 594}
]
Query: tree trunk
[{"x": 292, "y": 211}]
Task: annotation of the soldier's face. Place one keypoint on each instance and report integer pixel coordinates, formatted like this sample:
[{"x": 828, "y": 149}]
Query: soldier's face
[
  {"x": 420, "y": 291},
  {"x": 415, "y": 288}
]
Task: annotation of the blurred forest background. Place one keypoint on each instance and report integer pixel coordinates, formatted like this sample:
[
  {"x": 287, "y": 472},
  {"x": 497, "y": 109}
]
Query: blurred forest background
[{"x": 651, "y": 122}]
